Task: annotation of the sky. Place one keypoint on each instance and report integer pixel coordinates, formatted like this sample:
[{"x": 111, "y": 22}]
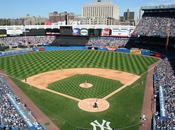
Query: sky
[{"x": 19, "y": 8}]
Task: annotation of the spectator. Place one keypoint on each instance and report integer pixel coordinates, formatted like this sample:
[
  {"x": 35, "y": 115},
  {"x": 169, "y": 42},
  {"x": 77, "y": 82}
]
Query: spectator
[
  {"x": 164, "y": 76},
  {"x": 107, "y": 41},
  {"x": 155, "y": 26}
]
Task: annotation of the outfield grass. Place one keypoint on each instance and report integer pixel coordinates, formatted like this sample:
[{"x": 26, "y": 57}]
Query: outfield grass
[
  {"x": 22, "y": 66},
  {"x": 70, "y": 86},
  {"x": 125, "y": 106},
  {"x": 124, "y": 111}
]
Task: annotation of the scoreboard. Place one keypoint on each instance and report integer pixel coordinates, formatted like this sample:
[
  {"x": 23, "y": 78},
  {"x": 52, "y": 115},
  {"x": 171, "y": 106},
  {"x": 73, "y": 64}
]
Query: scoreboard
[{"x": 66, "y": 30}]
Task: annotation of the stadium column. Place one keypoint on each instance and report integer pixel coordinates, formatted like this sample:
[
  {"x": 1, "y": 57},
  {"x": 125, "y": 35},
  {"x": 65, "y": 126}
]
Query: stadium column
[{"x": 168, "y": 35}]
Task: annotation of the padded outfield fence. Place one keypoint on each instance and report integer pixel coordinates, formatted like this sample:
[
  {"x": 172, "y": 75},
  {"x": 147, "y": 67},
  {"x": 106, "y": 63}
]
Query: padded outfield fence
[{"x": 15, "y": 52}]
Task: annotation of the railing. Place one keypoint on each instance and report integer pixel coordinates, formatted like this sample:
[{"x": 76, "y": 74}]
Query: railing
[
  {"x": 158, "y": 7},
  {"x": 162, "y": 102}
]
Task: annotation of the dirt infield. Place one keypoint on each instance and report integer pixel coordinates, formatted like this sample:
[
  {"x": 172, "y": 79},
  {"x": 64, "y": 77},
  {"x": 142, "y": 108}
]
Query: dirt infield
[{"x": 42, "y": 80}]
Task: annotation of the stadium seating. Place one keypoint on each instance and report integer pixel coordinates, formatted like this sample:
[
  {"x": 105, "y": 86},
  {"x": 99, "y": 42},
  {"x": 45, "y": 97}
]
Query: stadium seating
[
  {"x": 164, "y": 86},
  {"x": 14, "y": 115},
  {"x": 107, "y": 41},
  {"x": 28, "y": 40},
  {"x": 159, "y": 26}
]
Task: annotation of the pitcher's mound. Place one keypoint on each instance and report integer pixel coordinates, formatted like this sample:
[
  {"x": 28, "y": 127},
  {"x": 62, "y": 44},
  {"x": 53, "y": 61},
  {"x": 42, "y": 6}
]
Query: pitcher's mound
[
  {"x": 85, "y": 85},
  {"x": 93, "y": 105}
]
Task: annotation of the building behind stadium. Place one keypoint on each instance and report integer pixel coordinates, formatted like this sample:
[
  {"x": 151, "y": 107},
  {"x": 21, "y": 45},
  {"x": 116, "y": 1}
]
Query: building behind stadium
[{"x": 101, "y": 12}]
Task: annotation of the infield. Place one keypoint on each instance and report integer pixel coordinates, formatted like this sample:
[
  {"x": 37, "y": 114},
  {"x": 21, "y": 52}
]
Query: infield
[
  {"x": 125, "y": 105},
  {"x": 68, "y": 82},
  {"x": 70, "y": 86},
  {"x": 42, "y": 80}
]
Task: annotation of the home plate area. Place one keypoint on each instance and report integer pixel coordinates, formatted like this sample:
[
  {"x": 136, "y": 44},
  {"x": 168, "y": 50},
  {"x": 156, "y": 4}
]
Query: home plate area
[{"x": 93, "y": 105}]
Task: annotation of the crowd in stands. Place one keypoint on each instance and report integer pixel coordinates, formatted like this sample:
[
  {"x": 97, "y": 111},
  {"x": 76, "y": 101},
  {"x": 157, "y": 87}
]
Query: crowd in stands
[
  {"x": 164, "y": 76},
  {"x": 108, "y": 41},
  {"x": 155, "y": 26},
  {"x": 10, "y": 119},
  {"x": 28, "y": 40}
]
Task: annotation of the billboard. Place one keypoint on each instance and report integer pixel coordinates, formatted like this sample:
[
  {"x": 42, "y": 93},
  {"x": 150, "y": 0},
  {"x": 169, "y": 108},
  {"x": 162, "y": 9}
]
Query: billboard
[
  {"x": 97, "y": 32},
  {"x": 84, "y": 32},
  {"x": 66, "y": 30},
  {"x": 14, "y": 32},
  {"x": 34, "y": 32},
  {"x": 91, "y": 32},
  {"x": 76, "y": 31},
  {"x": 3, "y": 33},
  {"x": 120, "y": 33},
  {"x": 52, "y": 32},
  {"x": 135, "y": 51},
  {"x": 106, "y": 32}
]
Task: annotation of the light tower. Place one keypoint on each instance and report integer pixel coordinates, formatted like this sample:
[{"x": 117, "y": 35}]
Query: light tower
[{"x": 168, "y": 29}]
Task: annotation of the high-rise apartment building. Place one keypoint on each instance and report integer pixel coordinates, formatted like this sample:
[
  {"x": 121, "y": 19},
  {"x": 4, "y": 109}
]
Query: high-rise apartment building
[
  {"x": 128, "y": 15},
  {"x": 100, "y": 12},
  {"x": 60, "y": 17}
]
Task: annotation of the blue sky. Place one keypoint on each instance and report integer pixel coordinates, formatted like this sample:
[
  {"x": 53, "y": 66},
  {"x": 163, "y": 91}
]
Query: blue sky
[{"x": 18, "y": 8}]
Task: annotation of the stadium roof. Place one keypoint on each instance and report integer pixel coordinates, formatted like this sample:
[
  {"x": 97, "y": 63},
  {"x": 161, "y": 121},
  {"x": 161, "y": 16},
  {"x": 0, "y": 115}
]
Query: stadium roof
[{"x": 158, "y": 7}]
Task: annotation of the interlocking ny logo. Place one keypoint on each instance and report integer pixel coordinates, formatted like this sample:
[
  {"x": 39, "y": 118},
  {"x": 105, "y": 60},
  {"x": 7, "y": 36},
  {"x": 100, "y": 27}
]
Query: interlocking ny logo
[{"x": 104, "y": 126}]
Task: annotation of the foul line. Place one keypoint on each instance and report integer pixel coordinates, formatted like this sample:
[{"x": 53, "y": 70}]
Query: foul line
[
  {"x": 120, "y": 89},
  {"x": 126, "y": 85},
  {"x": 64, "y": 95},
  {"x": 152, "y": 67}
]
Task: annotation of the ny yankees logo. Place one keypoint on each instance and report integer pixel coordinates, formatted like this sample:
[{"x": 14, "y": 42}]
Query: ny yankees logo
[{"x": 104, "y": 126}]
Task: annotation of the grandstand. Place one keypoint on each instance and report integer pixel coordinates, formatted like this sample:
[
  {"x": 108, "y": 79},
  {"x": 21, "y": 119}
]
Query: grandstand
[
  {"x": 156, "y": 31},
  {"x": 156, "y": 26},
  {"x": 164, "y": 87}
]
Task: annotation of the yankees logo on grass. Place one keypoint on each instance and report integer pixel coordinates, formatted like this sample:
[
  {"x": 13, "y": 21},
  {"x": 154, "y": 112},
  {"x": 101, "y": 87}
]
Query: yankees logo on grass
[{"x": 105, "y": 125}]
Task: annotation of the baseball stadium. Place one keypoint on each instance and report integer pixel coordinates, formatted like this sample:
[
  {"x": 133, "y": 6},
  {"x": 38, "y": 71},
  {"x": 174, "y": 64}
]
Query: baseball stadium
[{"x": 89, "y": 77}]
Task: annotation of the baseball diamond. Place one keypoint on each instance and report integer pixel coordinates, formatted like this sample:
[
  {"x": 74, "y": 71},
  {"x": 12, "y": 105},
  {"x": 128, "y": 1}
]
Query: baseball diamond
[{"x": 51, "y": 80}]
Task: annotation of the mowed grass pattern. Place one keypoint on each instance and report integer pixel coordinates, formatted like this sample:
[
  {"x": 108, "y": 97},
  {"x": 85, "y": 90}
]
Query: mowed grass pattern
[
  {"x": 23, "y": 66},
  {"x": 70, "y": 86},
  {"x": 125, "y": 106},
  {"x": 124, "y": 111}
]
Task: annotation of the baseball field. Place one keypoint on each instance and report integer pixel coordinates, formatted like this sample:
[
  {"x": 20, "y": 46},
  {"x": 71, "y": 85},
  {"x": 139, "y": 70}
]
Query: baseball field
[{"x": 52, "y": 80}]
